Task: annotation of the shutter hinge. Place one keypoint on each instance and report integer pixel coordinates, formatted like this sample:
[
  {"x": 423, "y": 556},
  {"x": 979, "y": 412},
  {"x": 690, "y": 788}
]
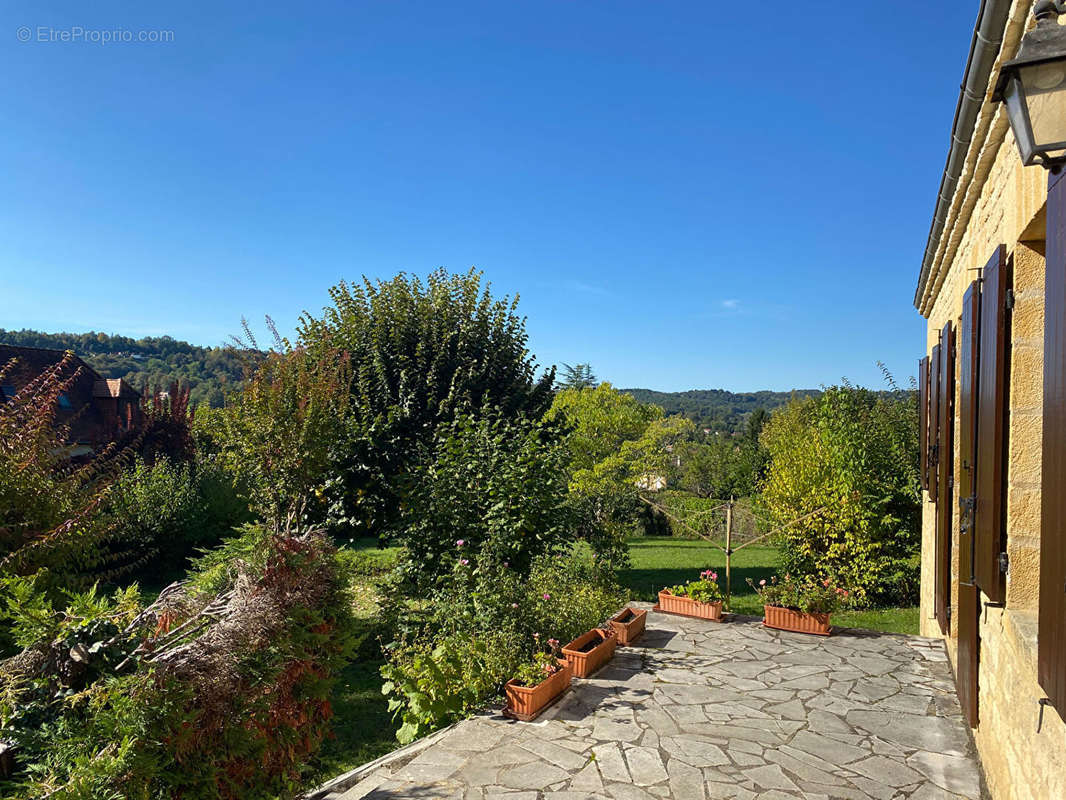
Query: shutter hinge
[
  {"x": 1004, "y": 563},
  {"x": 1010, "y": 300}
]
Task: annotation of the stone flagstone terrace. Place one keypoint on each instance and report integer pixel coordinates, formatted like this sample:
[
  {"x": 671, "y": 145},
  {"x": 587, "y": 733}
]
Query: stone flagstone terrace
[{"x": 702, "y": 710}]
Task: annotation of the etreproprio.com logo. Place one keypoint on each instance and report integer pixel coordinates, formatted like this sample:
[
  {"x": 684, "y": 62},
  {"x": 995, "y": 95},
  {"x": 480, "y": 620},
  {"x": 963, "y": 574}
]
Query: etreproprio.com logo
[{"x": 78, "y": 34}]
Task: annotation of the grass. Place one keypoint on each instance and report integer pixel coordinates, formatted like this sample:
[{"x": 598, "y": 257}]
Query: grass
[
  {"x": 664, "y": 561},
  {"x": 363, "y": 728}
]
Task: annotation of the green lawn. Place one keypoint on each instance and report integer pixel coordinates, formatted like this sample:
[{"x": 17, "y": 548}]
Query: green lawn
[
  {"x": 664, "y": 561},
  {"x": 363, "y": 728}
]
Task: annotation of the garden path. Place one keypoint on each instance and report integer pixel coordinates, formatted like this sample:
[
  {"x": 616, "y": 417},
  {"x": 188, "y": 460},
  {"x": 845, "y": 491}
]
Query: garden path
[{"x": 701, "y": 710}]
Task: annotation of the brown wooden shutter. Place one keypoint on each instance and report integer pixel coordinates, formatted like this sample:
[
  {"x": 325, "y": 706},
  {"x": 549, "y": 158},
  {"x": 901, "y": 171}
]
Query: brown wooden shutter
[
  {"x": 923, "y": 421},
  {"x": 1051, "y": 669},
  {"x": 968, "y": 381},
  {"x": 991, "y": 455},
  {"x": 934, "y": 420},
  {"x": 945, "y": 457},
  {"x": 966, "y": 673}
]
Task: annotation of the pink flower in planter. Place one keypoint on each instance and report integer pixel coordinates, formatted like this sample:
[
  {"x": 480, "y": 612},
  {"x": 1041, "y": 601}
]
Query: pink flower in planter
[
  {"x": 507, "y": 563},
  {"x": 464, "y": 562},
  {"x": 553, "y": 643},
  {"x": 514, "y": 605},
  {"x": 714, "y": 576},
  {"x": 547, "y": 596},
  {"x": 762, "y": 582},
  {"x": 460, "y": 542},
  {"x": 825, "y": 582}
]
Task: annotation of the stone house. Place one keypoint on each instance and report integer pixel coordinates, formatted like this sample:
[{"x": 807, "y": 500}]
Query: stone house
[
  {"x": 993, "y": 546},
  {"x": 98, "y": 410}
]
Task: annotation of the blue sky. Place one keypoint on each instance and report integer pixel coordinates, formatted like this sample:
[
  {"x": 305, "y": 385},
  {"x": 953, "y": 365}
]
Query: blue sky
[{"x": 686, "y": 195}]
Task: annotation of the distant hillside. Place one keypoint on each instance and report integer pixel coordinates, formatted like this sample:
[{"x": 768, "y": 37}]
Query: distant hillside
[
  {"x": 717, "y": 409},
  {"x": 155, "y": 361}
]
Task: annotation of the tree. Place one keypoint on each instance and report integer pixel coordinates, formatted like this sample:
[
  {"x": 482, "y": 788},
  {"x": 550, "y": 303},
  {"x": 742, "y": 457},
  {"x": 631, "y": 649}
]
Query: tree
[
  {"x": 600, "y": 419},
  {"x": 850, "y": 460},
  {"x": 421, "y": 355},
  {"x": 578, "y": 376}
]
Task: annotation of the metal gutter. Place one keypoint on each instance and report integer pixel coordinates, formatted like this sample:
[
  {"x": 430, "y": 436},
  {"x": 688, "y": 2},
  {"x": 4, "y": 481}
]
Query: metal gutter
[{"x": 984, "y": 49}]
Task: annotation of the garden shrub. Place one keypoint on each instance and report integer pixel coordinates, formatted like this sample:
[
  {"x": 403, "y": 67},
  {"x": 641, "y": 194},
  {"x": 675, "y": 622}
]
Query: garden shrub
[
  {"x": 479, "y": 629},
  {"x": 199, "y": 695},
  {"x": 173, "y": 508},
  {"x": 847, "y": 463},
  {"x": 498, "y": 486},
  {"x": 277, "y": 436}
]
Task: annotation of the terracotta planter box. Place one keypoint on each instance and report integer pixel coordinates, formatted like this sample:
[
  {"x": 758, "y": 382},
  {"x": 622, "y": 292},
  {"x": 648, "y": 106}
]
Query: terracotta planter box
[
  {"x": 672, "y": 604},
  {"x": 526, "y": 702},
  {"x": 788, "y": 619},
  {"x": 628, "y": 624},
  {"x": 590, "y": 651}
]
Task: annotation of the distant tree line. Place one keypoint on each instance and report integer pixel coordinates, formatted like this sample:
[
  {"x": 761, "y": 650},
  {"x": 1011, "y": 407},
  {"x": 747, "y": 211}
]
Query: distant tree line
[
  {"x": 209, "y": 372},
  {"x": 718, "y": 410}
]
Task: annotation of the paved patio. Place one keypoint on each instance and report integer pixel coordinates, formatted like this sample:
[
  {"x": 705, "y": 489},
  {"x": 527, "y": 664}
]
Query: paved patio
[{"x": 706, "y": 710}]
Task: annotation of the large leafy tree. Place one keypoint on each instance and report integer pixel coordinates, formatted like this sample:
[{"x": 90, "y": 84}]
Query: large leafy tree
[
  {"x": 846, "y": 463},
  {"x": 600, "y": 419},
  {"x": 421, "y": 355}
]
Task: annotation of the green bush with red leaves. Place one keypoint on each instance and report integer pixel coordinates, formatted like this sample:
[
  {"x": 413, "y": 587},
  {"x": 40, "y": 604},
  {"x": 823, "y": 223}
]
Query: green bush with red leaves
[{"x": 218, "y": 689}]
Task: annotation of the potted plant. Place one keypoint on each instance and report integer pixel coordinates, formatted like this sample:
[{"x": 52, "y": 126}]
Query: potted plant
[
  {"x": 800, "y": 605},
  {"x": 537, "y": 683},
  {"x": 700, "y": 598},
  {"x": 628, "y": 624},
  {"x": 590, "y": 651}
]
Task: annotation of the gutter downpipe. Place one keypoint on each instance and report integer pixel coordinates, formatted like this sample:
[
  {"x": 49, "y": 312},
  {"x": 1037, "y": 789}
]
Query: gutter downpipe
[{"x": 984, "y": 49}]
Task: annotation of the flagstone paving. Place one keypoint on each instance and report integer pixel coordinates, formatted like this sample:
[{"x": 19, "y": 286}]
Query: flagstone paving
[{"x": 702, "y": 711}]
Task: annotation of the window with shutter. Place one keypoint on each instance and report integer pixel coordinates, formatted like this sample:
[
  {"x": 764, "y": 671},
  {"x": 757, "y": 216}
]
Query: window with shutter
[
  {"x": 945, "y": 457},
  {"x": 991, "y": 452},
  {"x": 1051, "y": 668},
  {"x": 923, "y": 421},
  {"x": 966, "y": 672}
]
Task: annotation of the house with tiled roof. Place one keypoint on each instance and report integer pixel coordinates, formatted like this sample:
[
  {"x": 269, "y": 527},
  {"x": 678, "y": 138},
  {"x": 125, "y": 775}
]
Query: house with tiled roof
[{"x": 98, "y": 410}]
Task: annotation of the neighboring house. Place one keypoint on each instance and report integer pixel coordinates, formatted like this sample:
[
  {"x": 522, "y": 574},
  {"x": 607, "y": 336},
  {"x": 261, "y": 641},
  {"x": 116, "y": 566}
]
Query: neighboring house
[
  {"x": 98, "y": 410},
  {"x": 994, "y": 470}
]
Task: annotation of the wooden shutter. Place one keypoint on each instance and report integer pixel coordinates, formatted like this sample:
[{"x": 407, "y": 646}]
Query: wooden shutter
[
  {"x": 966, "y": 673},
  {"x": 991, "y": 455},
  {"x": 968, "y": 381},
  {"x": 945, "y": 457},
  {"x": 1051, "y": 669},
  {"x": 934, "y": 420},
  {"x": 923, "y": 421}
]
